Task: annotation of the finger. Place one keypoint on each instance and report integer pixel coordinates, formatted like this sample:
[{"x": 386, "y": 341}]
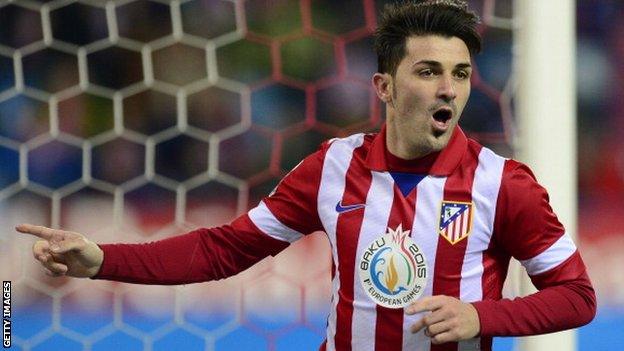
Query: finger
[
  {"x": 44, "y": 258},
  {"x": 40, "y": 247},
  {"x": 438, "y": 328},
  {"x": 43, "y": 255},
  {"x": 435, "y": 317},
  {"x": 38, "y": 231},
  {"x": 443, "y": 338},
  {"x": 428, "y": 320},
  {"x": 55, "y": 267},
  {"x": 429, "y": 303},
  {"x": 67, "y": 245},
  {"x": 40, "y": 258},
  {"x": 48, "y": 262},
  {"x": 59, "y": 258},
  {"x": 416, "y": 327}
]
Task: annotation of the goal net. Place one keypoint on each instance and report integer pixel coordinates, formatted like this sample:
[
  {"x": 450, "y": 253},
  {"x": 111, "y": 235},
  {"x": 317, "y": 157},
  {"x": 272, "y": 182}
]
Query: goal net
[{"x": 133, "y": 121}]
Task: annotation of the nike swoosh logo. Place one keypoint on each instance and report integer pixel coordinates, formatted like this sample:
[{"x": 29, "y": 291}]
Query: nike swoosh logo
[{"x": 343, "y": 209}]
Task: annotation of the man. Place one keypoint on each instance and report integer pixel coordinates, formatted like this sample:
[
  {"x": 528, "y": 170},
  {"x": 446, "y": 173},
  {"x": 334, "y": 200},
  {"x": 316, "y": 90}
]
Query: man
[{"x": 422, "y": 221}]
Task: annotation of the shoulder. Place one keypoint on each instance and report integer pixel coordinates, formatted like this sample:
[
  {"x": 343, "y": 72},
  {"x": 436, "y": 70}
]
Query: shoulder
[
  {"x": 488, "y": 163},
  {"x": 520, "y": 190},
  {"x": 525, "y": 222},
  {"x": 350, "y": 142},
  {"x": 344, "y": 148},
  {"x": 332, "y": 149},
  {"x": 518, "y": 174},
  {"x": 511, "y": 170}
]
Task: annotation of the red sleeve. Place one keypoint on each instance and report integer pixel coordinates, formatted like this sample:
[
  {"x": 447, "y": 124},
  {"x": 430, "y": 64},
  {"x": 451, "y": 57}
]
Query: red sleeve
[
  {"x": 527, "y": 229},
  {"x": 288, "y": 213},
  {"x": 201, "y": 255}
]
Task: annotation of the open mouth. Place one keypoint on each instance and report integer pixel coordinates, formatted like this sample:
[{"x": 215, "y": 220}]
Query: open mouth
[
  {"x": 441, "y": 119},
  {"x": 442, "y": 115}
]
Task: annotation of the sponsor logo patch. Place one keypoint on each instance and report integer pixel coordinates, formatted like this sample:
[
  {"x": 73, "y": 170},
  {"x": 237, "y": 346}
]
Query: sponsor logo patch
[{"x": 393, "y": 270}]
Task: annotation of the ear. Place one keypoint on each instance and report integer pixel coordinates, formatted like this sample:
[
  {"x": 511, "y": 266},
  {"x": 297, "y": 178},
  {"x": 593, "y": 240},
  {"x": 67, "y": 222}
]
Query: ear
[{"x": 383, "y": 86}]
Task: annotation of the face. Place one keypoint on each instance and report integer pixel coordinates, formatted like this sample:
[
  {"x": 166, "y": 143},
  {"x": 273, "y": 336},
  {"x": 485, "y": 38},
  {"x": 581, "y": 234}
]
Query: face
[{"x": 426, "y": 96}]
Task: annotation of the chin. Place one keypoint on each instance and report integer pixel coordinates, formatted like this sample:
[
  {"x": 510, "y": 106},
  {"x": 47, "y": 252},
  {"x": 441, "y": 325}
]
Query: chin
[
  {"x": 438, "y": 141},
  {"x": 436, "y": 147}
]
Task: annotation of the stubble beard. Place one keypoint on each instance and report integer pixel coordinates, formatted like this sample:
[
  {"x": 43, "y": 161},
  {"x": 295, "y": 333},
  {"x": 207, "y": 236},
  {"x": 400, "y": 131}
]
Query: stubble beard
[
  {"x": 441, "y": 139},
  {"x": 421, "y": 140},
  {"x": 416, "y": 139},
  {"x": 429, "y": 141}
]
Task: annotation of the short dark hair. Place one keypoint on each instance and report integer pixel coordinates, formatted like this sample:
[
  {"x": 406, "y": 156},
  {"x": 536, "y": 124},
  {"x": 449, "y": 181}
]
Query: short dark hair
[{"x": 399, "y": 21}]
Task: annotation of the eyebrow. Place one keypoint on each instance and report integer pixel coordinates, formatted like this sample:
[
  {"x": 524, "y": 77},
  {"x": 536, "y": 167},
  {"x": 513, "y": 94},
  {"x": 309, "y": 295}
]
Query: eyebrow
[{"x": 438, "y": 64}]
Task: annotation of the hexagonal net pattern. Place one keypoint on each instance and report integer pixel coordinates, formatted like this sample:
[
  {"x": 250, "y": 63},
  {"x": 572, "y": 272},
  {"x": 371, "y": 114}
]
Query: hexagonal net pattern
[{"x": 132, "y": 121}]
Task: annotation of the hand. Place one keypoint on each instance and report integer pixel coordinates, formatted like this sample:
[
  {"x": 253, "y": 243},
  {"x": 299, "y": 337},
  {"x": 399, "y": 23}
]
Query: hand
[
  {"x": 450, "y": 319},
  {"x": 64, "y": 253}
]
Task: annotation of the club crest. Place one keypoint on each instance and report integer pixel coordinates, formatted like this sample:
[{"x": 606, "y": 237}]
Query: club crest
[{"x": 455, "y": 220}]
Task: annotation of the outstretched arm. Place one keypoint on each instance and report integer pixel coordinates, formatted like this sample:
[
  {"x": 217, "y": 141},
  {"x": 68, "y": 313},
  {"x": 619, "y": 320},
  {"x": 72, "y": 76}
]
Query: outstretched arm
[{"x": 201, "y": 255}]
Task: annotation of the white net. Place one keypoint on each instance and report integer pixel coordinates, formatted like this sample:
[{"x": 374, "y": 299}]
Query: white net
[{"x": 132, "y": 121}]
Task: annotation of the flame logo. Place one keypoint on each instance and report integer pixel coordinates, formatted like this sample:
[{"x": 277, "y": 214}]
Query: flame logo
[
  {"x": 386, "y": 280},
  {"x": 392, "y": 276}
]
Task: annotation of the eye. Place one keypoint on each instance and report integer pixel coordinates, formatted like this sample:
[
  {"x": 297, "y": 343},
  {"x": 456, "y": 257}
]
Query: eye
[
  {"x": 462, "y": 74},
  {"x": 427, "y": 72}
]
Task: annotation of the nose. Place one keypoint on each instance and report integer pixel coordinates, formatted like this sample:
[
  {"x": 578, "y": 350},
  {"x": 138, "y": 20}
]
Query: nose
[{"x": 446, "y": 89}]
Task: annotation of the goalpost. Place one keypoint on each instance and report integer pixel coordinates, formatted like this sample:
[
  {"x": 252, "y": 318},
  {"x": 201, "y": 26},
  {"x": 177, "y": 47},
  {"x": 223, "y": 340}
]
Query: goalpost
[{"x": 546, "y": 109}]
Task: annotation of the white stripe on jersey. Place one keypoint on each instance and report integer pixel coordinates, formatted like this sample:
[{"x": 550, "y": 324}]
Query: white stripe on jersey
[
  {"x": 558, "y": 252},
  {"x": 262, "y": 217},
  {"x": 485, "y": 188},
  {"x": 374, "y": 224},
  {"x": 430, "y": 192},
  {"x": 335, "y": 166}
]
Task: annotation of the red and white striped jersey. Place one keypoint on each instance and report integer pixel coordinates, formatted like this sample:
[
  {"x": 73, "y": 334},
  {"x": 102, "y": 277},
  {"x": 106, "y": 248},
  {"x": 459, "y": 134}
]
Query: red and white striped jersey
[
  {"x": 467, "y": 209},
  {"x": 354, "y": 190}
]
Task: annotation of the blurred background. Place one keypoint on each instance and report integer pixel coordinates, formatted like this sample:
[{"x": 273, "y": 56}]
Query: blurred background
[{"x": 132, "y": 121}]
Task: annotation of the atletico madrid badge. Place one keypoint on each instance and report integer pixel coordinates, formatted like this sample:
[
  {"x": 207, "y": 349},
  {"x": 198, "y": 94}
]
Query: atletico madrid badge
[{"x": 455, "y": 220}]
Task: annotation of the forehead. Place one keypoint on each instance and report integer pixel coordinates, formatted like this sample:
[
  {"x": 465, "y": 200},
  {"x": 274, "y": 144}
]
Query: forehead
[{"x": 446, "y": 50}]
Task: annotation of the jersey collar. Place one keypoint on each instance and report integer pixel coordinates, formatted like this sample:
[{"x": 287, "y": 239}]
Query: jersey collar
[{"x": 441, "y": 163}]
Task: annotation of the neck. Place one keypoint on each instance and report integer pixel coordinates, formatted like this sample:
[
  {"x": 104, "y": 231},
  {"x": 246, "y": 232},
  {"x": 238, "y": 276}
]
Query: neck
[{"x": 399, "y": 145}]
